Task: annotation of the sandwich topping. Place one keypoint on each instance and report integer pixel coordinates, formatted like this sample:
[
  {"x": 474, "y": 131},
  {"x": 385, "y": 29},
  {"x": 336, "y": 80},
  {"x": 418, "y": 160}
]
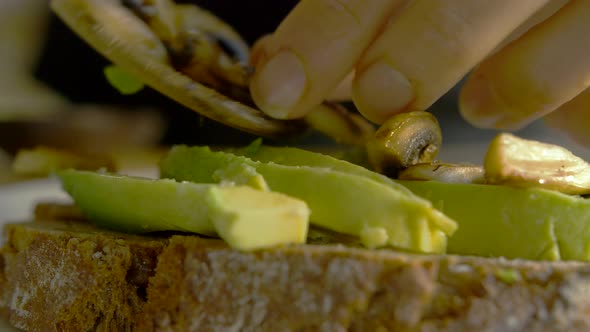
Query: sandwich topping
[
  {"x": 521, "y": 203},
  {"x": 244, "y": 196}
]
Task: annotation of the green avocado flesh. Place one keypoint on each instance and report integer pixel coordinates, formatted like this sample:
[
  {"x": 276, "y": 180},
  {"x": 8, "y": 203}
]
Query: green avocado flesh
[
  {"x": 298, "y": 157},
  {"x": 378, "y": 213},
  {"x": 244, "y": 217},
  {"x": 139, "y": 205},
  {"x": 511, "y": 222},
  {"x": 493, "y": 220}
]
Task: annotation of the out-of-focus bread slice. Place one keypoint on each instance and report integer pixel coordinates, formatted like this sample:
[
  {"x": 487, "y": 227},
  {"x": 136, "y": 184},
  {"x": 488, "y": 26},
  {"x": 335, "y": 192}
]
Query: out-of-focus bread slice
[{"x": 60, "y": 276}]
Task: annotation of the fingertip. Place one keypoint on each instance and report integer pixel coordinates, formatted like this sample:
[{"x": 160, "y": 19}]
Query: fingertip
[
  {"x": 328, "y": 38},
  {"x": 380, "y": 91},
  {"x": 279, "y": 84},
  {"x": 482, "y": 106},
  {"x": 475, "y": 103},
  {"x": 523, "y": 81}
]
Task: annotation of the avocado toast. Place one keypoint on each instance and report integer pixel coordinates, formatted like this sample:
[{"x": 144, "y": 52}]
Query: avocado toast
[
  {"x": 63, "y": 272},
  {"x": 231, "y": 240}
]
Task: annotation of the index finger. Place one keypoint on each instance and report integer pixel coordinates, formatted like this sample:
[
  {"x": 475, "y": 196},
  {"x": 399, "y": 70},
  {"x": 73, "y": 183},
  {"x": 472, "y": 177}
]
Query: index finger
[{"x": 312, "y": 51}]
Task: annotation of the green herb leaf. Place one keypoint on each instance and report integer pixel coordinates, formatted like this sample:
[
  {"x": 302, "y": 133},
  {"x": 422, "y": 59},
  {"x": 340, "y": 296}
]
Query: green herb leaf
[
  {"x": 253, "y": 147},
  {"x": 121, "y": 80}
]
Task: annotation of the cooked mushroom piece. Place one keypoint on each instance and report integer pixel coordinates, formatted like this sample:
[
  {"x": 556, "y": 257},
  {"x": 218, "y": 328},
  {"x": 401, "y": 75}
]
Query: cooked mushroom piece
[
  {"x": 195, "y": 58},
  {"x": 232, "y": 55},
  {"x": 200, "y": 45},
  {"x": 160, "y": 15},
  {"x": 404, "y": 140},
  {"x": 129, "y": 42},
  {"x": 335, "y": 121},
  {"x": 514, "y": 161},
  {"x": 443, "y": 172}
]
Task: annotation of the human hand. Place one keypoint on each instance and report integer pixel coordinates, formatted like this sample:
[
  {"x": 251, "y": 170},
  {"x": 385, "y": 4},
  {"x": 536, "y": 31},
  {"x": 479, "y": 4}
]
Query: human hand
[{"x": 403, "y": 55}]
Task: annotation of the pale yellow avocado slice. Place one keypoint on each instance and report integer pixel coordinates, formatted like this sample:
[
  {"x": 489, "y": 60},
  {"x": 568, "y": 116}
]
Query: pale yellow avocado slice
[
  {"x": 344, "y": 202},
  {"x": 249, "y": 219},
  {"x": 246, "y": 218},
  {"x": 511, "y": 222}
]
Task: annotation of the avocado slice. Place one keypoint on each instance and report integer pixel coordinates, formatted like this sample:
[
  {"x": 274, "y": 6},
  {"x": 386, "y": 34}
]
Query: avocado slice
[
  {"x": 512, "y": 222},
  {"x": 244, "y": 217},
  {"x": 250, "y": 219},
  {"x": 343, "y": 202},
  {"x": 298, "y": 157}
]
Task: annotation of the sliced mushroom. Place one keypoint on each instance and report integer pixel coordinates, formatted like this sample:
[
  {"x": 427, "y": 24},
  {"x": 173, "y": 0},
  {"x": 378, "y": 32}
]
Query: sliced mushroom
[
  {"x": 118, "y": 34},
  {"x": 335, "y": 121},
  {"x": 514, "y": 161},
  {"x": 200, "y": 45},
  {"x": 194, "y": 18},
  {"x": 449, "y": 173},
  {"x": 404, "y": 140},
  {"x": 160, "y": 15},
  {"x": 212, "y": 52}
]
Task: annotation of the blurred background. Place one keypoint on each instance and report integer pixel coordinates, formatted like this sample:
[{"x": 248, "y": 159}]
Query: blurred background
[{"x": 53, "y": 92}]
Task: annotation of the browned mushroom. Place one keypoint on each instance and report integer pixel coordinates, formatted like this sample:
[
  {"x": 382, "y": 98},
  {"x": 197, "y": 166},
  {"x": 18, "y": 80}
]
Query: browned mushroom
[{"x": 403, "y": 140}]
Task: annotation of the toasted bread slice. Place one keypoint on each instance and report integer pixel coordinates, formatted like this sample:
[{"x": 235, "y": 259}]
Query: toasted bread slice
[{"x": 70, "y": 276}]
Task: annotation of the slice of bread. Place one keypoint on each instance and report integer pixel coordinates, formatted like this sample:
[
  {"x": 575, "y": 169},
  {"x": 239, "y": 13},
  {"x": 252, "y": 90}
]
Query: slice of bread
[{"x": 71, "y": 276}]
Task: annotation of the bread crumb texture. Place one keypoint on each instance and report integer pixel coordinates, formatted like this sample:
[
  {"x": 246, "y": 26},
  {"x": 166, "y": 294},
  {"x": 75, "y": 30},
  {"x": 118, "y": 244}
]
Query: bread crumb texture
[{"x": 72, "y": 277}]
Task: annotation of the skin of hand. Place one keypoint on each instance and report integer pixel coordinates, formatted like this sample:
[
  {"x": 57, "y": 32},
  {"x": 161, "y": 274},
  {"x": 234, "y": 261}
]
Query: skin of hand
[{"x": 526, "y": 60}]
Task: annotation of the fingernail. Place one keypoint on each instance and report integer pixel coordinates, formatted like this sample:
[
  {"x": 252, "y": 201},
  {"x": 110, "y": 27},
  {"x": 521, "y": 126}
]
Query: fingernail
[
  {"x": 381, "y": 91},
  {"x": 279, "y": 84},
  {"x": 480, "y": 105}
]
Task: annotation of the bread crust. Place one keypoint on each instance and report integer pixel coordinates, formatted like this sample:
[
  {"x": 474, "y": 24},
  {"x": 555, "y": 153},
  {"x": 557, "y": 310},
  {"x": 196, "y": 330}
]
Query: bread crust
[{"x": 202, "y": 285}]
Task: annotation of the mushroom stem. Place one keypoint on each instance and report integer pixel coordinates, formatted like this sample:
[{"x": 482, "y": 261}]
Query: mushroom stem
[
  {"x": 449, "y": 173},
  {"x": 333, "y": 120}
]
